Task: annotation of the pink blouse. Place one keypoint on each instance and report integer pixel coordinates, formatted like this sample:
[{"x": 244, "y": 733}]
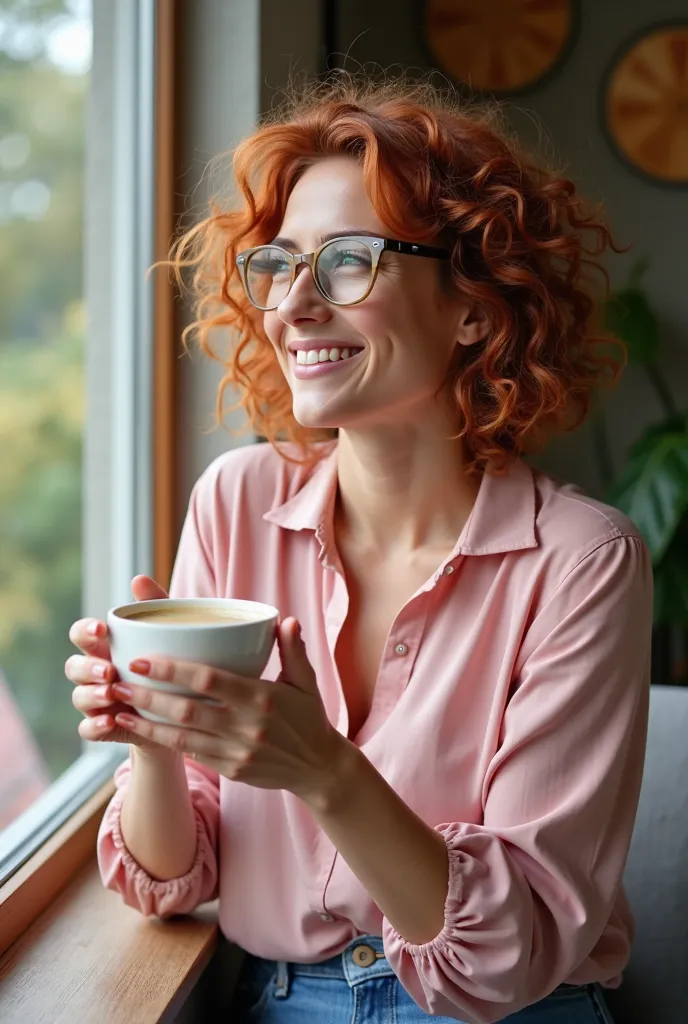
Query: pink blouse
[{"x": 509, "y": 712}]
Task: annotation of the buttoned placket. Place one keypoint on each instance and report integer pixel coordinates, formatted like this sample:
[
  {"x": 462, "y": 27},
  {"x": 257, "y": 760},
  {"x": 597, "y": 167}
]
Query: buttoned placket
[
  {"x": 334, "y": 613},
  {"x": 397, "y": 663}
]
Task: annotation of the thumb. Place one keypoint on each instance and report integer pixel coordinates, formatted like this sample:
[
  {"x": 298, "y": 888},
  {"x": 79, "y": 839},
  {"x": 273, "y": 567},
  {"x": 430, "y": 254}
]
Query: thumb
[
  {"x": 146, "y": 589},
  {"x": 296, "y": 668}
]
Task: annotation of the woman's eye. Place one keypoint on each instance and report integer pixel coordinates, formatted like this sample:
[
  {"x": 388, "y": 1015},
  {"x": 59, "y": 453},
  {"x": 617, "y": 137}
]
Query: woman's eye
[
  {"x": 269, "y": 265},
  {"x": 350, "y": 259}
]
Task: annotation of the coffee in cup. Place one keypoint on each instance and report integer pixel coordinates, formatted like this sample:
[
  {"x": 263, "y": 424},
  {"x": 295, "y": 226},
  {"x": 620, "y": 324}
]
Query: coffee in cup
[
  {"x": 224, "y": 633},
  {"x": 189, "y": 615}
]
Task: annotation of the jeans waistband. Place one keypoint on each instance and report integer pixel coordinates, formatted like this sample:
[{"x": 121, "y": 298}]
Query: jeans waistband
[{"x": 362, "y": 960}]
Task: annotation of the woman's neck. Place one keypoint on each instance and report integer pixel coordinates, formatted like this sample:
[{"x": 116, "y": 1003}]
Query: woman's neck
[{"x": 402, "y": 488}]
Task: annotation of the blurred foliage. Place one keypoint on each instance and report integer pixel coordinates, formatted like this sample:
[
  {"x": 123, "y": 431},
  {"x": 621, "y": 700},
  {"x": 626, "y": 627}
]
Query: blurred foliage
[
  {"x": 41, "y": 426},
  {"x": 628, "y": 315},
  {"x": 652, "y": 488},
  {"x": 42, "y": 143}
]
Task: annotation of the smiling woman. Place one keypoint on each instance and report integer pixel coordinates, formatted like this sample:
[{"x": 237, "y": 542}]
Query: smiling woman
[
  {"x": 424, "y": 806},
  {"x": 519, "y": 247}
]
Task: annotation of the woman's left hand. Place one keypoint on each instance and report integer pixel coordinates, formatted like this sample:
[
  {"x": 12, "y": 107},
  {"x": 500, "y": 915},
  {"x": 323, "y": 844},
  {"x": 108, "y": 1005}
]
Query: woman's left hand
[{"x": 274, "y": 735}]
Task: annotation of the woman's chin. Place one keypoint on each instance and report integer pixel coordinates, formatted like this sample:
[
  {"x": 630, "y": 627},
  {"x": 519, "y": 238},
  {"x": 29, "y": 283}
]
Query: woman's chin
[{"x": 315, "y": 416}]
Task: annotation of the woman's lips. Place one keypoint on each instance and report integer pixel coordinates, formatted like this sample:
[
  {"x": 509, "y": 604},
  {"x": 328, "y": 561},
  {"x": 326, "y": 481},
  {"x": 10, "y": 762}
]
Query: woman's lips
[{"x": 302, "y": 372}]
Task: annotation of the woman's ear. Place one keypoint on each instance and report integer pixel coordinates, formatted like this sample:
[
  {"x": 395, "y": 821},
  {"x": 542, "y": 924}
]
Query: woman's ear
[{"x": 472, "y": 326}]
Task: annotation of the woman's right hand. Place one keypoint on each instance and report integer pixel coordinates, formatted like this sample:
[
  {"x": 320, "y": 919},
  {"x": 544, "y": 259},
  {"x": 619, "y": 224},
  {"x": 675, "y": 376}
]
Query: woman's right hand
[{"x": 93, "y": 673}]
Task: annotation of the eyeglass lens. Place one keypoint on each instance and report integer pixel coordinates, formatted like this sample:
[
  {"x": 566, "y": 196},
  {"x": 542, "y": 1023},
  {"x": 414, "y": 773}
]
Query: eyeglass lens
[{"x": 343, "y": 270}]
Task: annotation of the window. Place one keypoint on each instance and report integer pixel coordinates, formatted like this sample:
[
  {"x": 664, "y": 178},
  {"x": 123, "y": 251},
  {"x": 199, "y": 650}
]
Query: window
[
  {"x": 45, "y": 58},
  {"x": 78, "y": 218}
]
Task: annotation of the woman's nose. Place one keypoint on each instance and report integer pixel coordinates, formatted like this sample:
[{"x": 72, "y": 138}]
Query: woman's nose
[{"x": 304, "y": 301}]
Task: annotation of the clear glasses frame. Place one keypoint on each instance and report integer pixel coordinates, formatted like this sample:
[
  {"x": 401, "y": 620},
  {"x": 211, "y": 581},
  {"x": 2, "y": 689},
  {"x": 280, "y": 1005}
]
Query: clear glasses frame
[{"x": 375, "y": 245}]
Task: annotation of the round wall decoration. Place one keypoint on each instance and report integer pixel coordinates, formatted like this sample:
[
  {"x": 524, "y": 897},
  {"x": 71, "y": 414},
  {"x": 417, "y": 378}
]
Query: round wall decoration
[
  {"x": 498, "y": 46},
  {"x": 646, "y": 103}
]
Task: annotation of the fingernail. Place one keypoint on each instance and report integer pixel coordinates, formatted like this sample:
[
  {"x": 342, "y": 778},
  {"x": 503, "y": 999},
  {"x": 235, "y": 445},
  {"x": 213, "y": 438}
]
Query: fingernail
[
  {"x": 103, "y": 722},
  {"x": 102, "y": 693},
  {"x": 140, "y": 665},
  {"x": 128, "y": 721},
  {"x": 100, "y": 671},
  {"x": 122, "y": 691},
  {"x": 93, "y": 629}
]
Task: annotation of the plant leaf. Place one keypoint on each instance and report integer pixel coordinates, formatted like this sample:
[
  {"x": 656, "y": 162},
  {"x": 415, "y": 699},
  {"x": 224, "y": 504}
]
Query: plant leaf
[
  {"x": 628, "y": 315},
  {"x": 653, "y": 488},
  {"x": 671, "y": 581}
]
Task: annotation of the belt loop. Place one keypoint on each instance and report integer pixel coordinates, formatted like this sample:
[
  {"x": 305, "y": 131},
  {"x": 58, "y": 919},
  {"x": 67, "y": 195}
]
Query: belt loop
[{"x": 281, "y": 990}]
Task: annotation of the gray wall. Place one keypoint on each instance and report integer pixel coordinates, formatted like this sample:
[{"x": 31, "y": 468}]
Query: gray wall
[
  {"x": 566, "y": 109},
  {"x": 237, "y": 56}
]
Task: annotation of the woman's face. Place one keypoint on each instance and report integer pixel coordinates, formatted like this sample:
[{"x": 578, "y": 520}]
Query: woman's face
[{"x": 403, "y": 335}]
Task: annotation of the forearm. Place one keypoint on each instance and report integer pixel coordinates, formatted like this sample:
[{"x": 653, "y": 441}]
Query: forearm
[
  {"x": 158, "y": 820},
  {"x": 401, "y": 861}
]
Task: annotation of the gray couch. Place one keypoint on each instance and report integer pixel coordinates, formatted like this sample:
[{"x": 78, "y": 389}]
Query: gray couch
[{"x": 655, "y": 987}]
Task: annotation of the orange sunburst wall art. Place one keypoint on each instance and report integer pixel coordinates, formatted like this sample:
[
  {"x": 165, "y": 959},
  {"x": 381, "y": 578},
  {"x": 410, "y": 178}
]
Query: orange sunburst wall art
[
  {"x": 498, "y": 46},
  {"x": 646, "y": 103}
]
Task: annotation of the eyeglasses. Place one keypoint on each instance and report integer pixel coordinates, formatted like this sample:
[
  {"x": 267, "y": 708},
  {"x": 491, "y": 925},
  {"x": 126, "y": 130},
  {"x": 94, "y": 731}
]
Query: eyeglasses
[{"x": 344, "y": 269}]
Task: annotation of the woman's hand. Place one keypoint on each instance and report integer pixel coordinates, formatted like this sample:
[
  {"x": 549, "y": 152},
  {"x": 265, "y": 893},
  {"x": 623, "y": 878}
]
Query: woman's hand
[
  {"x": 274, "y": 735},
  {"x": 93, "y": 673}
]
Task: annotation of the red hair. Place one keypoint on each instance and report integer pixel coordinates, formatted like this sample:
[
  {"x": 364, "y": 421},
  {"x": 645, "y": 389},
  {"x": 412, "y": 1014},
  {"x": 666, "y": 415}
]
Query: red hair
[{"x": 525, "y": 250}]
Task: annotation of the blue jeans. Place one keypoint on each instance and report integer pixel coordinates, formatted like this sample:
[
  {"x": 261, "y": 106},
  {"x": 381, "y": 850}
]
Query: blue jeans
[{"x": 361, "y": 989}]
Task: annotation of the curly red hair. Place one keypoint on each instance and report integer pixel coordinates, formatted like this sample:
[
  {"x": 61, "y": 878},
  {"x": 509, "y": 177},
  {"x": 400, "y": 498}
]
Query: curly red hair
[{"x": 525, "y": 248}]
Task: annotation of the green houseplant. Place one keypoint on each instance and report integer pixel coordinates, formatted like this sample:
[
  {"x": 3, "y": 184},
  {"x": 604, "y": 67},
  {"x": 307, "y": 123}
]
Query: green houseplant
[{"x": 652, "y": 487}]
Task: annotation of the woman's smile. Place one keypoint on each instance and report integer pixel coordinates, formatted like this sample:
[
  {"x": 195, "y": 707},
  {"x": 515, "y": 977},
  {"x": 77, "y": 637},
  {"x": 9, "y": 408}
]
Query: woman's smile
[{"x": 313, "y": 359}]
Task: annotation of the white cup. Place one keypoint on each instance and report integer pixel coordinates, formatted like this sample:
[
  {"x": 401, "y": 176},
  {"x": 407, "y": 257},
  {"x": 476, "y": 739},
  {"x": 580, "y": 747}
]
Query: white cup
[{"x": 239, "y": 645}]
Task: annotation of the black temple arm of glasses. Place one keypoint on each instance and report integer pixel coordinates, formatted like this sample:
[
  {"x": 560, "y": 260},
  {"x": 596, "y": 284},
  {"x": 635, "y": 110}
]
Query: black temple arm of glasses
[{"x": 414, "y": 249}]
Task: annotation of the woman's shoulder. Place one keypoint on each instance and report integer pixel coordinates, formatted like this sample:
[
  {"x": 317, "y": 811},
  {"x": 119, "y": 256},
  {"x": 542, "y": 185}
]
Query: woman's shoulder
[
  {"x": 571, "y": 524},
  {"x": 257, "y": 476}
]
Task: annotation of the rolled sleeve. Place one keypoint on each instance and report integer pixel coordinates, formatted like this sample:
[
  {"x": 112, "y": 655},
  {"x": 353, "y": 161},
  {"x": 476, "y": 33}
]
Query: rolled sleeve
[
  {"x": 532, "y": 888},
  {"x": 121, "y": 873}
]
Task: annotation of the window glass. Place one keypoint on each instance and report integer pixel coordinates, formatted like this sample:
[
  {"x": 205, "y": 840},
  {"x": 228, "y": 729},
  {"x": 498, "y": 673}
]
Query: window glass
[{"x": 45, "y": 57}]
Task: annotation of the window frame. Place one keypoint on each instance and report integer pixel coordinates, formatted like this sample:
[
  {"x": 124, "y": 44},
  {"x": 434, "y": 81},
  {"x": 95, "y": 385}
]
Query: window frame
[{"x": 129, "y": 466}]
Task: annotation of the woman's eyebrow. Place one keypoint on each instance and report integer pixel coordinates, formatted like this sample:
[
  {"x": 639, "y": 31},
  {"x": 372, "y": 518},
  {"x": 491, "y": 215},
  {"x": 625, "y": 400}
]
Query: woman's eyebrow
[{"x": 289, "y": 243}]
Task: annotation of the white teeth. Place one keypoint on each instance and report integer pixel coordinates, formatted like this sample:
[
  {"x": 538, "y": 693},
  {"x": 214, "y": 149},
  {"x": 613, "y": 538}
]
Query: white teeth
[{"x": 308, "y": 357}]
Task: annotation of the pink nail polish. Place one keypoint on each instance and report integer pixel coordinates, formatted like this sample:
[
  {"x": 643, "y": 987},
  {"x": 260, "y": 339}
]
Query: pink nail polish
[{"x": 128, "y": 721}]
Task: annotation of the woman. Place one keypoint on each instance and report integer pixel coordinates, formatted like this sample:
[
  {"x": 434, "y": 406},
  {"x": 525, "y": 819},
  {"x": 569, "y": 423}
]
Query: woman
[{"x": 424, "y": 808}]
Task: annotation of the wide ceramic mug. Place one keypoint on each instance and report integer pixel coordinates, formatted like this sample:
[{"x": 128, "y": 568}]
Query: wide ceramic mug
[{"x": 224, "y": 633}]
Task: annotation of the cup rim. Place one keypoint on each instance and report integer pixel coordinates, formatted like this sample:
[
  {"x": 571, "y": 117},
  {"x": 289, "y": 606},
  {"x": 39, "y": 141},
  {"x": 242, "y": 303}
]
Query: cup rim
[{"x": 270, "y": 613}]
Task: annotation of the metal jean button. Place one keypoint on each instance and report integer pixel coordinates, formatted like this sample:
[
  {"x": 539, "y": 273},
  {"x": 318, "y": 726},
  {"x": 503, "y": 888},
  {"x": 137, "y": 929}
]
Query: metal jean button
[{"x": 364, "y": 956}]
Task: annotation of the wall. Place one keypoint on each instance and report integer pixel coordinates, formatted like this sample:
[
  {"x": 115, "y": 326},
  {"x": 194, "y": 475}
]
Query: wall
[
  {"x": 566, "y": 108},
  {"x": 237, "y": 56}
]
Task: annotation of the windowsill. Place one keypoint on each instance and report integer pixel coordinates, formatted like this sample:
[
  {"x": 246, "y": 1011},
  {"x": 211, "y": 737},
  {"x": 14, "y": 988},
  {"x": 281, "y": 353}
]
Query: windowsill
[{"x": 89, "y": 958}]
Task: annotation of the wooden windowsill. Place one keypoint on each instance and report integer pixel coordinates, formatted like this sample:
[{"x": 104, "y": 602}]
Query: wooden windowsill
[{"x": 89, "y": 959}]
